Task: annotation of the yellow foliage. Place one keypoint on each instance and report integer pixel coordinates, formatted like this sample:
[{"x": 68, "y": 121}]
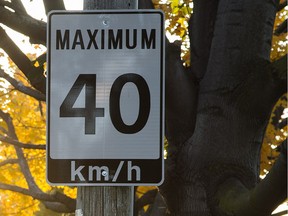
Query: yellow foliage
[
  {"x": 13, "y": 204},
  {"x": 273, "y": 138},
  {"x": 174, "y": 3},
  {"x": 36, "y": 64},
  {"x": 279, "y": 42},
  {"x": 29, "y": 119}
]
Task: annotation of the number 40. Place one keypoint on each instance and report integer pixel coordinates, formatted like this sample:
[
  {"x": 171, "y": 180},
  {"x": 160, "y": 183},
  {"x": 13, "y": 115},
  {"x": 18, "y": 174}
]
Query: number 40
[{"x": 90, "y": 112}]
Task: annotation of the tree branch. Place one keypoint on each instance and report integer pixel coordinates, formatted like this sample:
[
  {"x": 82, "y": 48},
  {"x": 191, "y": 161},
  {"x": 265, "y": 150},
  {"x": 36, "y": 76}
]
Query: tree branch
[
  {"x": 158, "y": 208},
  {"x": 201, "y": 28},
  {"x": 236, "y": 199},
  {"x": 8, "y": 161},
  {"x": 279, "y": 73},
  {"x": 22, "y": 88},
  {"x": 58, "y": 207},
  {"x": 282, "y": 5},
  {"x": 180, "y": 112},
  {"x": 282, "y": 28},
  {"x": 52, "y": 202},
  {"x": 180, "y": 97},
  {"x": 15, "y": 5},
  {"x": 34, "y": 75},
  {"x": 22, "y": 160},
  {"x": 281, "y": 68},
  {"x": 67, "y": 201},
  {"x": 232, "y": 48},
  {"x": 146, "y": 199},
  {"x": 3, "y": 130},
  {"x": 24, "y": 24},
  {"x": 22, "y": 145},
  {"x": 16, "y": 189}
]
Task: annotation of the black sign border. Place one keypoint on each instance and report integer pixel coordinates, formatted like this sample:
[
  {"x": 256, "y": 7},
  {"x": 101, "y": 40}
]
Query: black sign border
[{"x": 152, "y": 171}]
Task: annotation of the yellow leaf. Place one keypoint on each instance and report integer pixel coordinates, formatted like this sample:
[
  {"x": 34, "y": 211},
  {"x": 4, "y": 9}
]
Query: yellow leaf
[
  {"x": 175, "y": 6},
  {"x": 174, "y": 3},
  {"x": 36, "y": 64},
  {"x": 45, "y": 66}
]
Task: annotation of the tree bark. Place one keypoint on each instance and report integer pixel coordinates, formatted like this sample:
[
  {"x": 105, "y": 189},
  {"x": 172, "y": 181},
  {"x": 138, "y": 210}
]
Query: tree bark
[
  {"x": 103, "y": 201},
  {"x": 33, "y": 74},
  {"x": 237, "y": 91}
]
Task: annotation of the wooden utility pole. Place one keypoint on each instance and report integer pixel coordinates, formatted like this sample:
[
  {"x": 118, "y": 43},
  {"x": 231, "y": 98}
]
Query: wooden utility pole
[{"x": 104, "y": 200}]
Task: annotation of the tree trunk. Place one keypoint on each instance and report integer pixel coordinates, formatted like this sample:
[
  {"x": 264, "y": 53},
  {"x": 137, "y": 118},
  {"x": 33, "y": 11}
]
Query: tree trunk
[
  {"x": 103, "y": 201},
  {"x": 236, "y": 92}
]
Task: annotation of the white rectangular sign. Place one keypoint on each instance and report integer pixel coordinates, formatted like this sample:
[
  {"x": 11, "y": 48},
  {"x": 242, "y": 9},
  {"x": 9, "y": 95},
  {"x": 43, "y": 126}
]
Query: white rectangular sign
[{"x": 105, "y": 93}]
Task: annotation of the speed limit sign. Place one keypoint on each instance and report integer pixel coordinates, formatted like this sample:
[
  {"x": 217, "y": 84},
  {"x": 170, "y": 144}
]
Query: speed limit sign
[{"x": 105, "y": 97}]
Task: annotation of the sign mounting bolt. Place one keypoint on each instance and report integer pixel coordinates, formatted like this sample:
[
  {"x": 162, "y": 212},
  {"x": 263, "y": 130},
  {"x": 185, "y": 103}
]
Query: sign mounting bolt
[
  {"x": 105, "y": 22},
  {"x": 104, "y": 173}
]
